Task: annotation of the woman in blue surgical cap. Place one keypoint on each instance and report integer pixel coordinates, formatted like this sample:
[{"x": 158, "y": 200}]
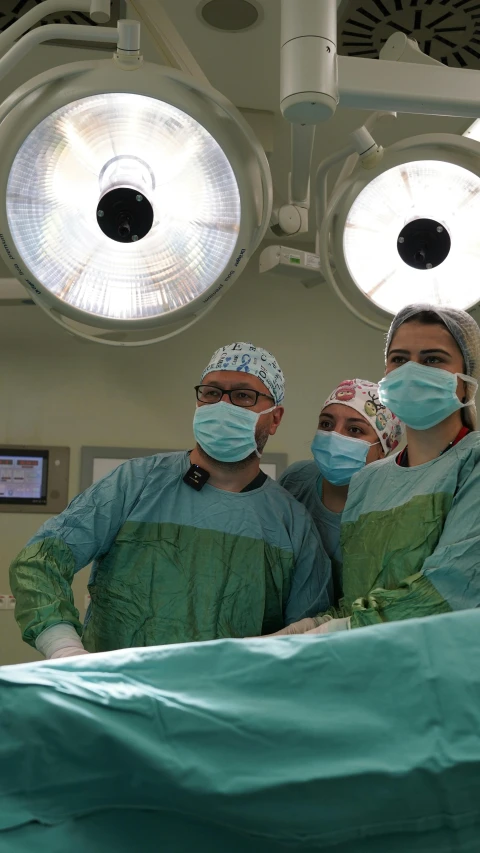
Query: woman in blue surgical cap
[
  {"x": 354, "y": 429},
  {"x": 411, "y": 525}
]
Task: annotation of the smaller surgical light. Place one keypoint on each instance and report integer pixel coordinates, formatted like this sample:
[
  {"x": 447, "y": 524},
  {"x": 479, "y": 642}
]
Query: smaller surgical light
[{"x": 412, "y": 235}]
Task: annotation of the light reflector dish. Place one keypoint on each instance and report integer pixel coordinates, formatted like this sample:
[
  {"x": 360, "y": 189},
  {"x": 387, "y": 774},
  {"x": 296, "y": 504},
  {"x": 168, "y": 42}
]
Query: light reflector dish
[
  {"x": 422, "y": 189},
  {"x": 92, "y": 145}
]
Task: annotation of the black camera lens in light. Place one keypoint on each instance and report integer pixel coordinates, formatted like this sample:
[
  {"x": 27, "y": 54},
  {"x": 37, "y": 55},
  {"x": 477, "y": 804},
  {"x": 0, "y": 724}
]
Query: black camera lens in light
[
  {"x": 125, "y": 215},
  {"x": 423, "y": 244}
]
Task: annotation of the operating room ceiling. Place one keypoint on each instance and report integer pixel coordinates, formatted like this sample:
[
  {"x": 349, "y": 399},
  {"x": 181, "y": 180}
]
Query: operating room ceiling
[
  {"x": 447, "y": 30},
  {"x": 245, "y": 65}
]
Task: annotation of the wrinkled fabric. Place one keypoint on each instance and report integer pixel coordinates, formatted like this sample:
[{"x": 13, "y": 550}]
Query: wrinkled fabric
[
  {"x": 172, "y": 564},
  {"x": 360, "y": 742},
  {"x": 304, "y": 482},
  {"x": 410, "y": 538}
]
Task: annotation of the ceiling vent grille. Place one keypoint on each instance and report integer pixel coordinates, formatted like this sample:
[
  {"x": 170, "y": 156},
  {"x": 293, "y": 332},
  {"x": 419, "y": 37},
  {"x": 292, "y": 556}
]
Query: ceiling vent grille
[{"x": 447, "y": 30}]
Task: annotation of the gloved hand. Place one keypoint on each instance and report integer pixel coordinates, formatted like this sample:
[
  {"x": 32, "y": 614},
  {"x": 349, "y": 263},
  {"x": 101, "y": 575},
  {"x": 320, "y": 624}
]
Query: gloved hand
[
  {"x": 300, "y": 627},
  {"x": 60, "y": 641},
  {"x": 331, "y": 626},
  {"x": 303, "y": 626},
  {"x": 69, "y": 652}
]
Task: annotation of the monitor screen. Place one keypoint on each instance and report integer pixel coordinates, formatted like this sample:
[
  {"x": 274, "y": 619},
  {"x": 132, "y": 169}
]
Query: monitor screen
[{"x": 23, "y": 476}]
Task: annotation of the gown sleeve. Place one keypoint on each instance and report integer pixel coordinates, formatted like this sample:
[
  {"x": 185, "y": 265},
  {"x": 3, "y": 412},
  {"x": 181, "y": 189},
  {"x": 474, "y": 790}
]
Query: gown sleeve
[{"x": 41, "y": 575}]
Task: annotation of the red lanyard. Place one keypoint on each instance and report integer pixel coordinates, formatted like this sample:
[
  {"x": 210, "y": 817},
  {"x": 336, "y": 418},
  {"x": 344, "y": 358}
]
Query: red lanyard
[{"x": 402, "y": 458}]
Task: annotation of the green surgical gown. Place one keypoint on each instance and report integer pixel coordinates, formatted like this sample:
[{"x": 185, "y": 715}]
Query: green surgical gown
[
  {"x": 171, "y": 564},
  {"x": 411, "y": 538}
]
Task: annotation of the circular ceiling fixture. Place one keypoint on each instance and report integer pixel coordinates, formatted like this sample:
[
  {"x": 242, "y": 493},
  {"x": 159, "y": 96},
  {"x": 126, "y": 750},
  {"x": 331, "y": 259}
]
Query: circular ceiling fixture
[
  {"x": 407, "y": 230},
  {"x": 230, "y": 16},
  {"x": 447, "y": 30},
  {"x": 132, "y": 204}
]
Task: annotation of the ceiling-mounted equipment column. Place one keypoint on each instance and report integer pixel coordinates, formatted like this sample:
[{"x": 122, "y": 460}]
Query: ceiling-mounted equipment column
[{"x": 308, "y": 60}]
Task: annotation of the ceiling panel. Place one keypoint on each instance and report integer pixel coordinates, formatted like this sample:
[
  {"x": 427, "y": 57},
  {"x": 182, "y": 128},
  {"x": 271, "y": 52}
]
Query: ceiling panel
[{"x": 447, "y": 30}]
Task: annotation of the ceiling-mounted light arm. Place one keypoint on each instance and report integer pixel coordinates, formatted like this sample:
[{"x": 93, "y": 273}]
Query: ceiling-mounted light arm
[
  {"x": 313, "y": 79},
  {"x": 302, "y": 139},
  {"x": 292, "y": 218},
  {"x": 321, "y": 187},
  {"x": 379, "y": 84},
  {"x": 99, "y": 11},
  {"x": 166, "y": 38},
  {"x": 400, "y": 48},
  {"x": 50, "y": 32},
  {"x": 352, "y": 160},
  {"x": 473, "y": 131},
  {"x": 308, "y": 60},
  {"x": 307, "y": 57},
  {"x": 369, "y": 153}
]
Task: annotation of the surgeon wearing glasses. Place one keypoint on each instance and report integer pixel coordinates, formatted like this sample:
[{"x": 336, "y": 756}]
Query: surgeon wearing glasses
[{"x": 185, "y": 546}]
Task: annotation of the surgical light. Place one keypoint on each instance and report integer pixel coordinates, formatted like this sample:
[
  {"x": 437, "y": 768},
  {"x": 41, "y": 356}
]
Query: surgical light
[
  {"x": 123, "y": 207},
  {"x": 130, "y": 197},
  {"x": 407, "y": 229}
]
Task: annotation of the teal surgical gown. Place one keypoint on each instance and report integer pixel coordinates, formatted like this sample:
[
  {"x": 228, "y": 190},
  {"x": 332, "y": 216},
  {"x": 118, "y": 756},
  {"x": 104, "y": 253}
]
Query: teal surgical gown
[
  {"x": 304, "y": 481},
  {"x": 411, "y": 538},
  {"x": 171, "y": 564}
]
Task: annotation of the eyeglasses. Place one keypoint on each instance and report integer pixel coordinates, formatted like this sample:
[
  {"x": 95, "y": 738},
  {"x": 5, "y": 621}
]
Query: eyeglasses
[{"x": 244, "y": 397}]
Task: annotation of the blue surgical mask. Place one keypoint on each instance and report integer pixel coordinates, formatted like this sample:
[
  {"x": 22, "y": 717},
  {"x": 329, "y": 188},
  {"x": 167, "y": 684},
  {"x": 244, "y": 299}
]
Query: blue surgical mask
[
  {"x": 339, "y": 457},
  {"x": 422, "y": 396},
  {"x": 227, "y": 432}
]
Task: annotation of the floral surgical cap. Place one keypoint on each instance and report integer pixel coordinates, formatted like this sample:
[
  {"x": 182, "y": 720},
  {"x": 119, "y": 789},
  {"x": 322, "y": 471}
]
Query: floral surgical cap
[{"x": 361, "y": 395}]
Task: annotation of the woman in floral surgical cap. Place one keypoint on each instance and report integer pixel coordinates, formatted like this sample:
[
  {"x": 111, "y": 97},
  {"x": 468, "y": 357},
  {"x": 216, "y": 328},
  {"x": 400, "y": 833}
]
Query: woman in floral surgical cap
[{"x": 354, "y": 429}]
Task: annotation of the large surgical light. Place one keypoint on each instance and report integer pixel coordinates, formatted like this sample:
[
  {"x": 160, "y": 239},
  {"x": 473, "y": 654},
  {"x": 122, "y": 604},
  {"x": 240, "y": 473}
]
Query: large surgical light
[
  {"x": 123, "y": 206},
  {"x": 407, "y": 229},
  {"x": 130, "y": 199}
]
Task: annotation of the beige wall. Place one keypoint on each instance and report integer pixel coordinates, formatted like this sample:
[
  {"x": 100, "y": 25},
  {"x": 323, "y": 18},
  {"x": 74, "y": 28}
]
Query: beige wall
[{"x": 59, "y": 390}]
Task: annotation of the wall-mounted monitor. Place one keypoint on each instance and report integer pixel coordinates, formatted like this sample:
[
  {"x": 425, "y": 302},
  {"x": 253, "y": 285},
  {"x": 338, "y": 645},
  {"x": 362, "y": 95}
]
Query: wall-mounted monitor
[{"x": 33, "y": 478}]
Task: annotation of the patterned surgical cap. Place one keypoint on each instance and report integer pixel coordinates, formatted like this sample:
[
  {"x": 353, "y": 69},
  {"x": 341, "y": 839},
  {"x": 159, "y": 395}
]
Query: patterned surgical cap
[
  {"x": 247, "y": 358},
  {"x": 361, "y": 395}
]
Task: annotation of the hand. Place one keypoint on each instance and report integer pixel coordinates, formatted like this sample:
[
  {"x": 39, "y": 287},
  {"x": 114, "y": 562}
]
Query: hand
[
  {"x": 69, "y": 652},
  {"x": 303, "y": 626},
  {"x": 332, "y": 626}
]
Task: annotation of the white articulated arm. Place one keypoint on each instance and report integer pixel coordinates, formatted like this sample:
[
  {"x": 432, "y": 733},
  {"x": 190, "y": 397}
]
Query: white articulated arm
[
  {"x": 50, "y": 32},
  {"x": 405, "y": 87},
  {"x": 166, "y": 38},
  {"x": 99, "y": 11}
]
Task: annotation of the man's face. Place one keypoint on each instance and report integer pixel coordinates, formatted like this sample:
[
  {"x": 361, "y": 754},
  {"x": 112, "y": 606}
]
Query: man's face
[{"x": 238, "y": 382}]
